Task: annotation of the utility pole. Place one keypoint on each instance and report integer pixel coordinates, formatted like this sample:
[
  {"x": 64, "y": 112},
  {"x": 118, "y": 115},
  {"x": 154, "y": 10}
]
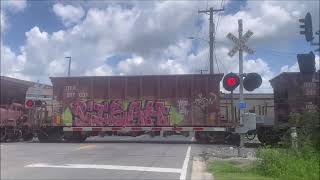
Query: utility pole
[
  {"x": 211, "y": 33},
  {"x": 69, "y": 57}
]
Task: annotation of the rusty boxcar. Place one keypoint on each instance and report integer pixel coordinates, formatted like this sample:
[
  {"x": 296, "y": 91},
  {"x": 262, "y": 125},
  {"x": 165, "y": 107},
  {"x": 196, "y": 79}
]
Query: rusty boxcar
[
  {"x": 150, "y": 103},
  {"x": 294, "y": 92}
]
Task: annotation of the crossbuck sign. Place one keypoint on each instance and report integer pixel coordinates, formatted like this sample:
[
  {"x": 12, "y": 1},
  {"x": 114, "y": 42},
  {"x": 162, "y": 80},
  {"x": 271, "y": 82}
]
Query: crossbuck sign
[{"x": 240, "y": 43}]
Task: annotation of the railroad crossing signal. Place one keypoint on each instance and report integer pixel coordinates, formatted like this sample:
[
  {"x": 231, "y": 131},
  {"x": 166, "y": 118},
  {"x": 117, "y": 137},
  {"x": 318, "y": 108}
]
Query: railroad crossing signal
[
  {"x": 34, "y": 103},
  {"x": 251, "y": 81},
  {"x": 240, "y": 46},
  {"x": 240, "y": 43}
]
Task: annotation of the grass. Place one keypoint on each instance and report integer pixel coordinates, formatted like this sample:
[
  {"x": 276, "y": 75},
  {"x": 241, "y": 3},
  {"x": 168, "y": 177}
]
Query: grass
[
  {"x": 289, "y": 164},
  {"x": 273, "y": 163},
  {"x": 226, "y": 170}
]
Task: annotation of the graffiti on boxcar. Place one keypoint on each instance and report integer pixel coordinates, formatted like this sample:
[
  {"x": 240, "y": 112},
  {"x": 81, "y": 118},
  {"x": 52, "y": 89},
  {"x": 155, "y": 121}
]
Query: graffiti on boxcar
[
  {"x": 73, "y": 91},
  {"x": 137, "y": 112},
  {"x": 183, "y": 106},
  {"x": 203, "y": 102},
  {"x": 119, "y": 113}
]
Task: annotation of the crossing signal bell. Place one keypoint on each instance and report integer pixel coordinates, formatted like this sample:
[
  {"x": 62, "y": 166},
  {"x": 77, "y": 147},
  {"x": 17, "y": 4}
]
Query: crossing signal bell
[
  {"x": 306, "y": 25},
  {"x": 252, "y": 81},
  {"x": 231, "y": 81}
]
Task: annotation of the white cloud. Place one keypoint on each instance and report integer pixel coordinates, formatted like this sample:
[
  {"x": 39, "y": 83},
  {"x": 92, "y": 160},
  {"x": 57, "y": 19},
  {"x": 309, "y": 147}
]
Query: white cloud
[
  {"x": 155, "y": 35},
  {"x": 14, "y": 5},
  {"x": 12, "y": 64},
  {"x": 103, "y": 70},
  {"x": 69, "y": 14},
  {"x": 295, "y": 66},
  {"x": 132, "y": 65}
]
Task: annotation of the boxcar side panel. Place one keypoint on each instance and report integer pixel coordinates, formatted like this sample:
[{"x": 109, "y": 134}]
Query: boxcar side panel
[
  {"x": 143, "y": 101},
  {"x": 295, "y": 93}
]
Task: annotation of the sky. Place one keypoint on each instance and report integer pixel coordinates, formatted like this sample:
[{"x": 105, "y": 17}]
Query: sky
[{"x": 149, "y": 37}]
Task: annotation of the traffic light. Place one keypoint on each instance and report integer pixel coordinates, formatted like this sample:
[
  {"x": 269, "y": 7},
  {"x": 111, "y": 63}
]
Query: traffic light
[
  {"x": 231, "y": 81},
  {"x": 307, "y": 27},
  {"x": 306, "y": 62},
  {"x": 252, "y": 81}
]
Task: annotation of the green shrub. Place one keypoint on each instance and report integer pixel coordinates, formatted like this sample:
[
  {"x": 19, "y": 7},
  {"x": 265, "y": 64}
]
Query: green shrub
[
  {"x": 288, "y": 163},
  {"x": 308, "y": 129}
]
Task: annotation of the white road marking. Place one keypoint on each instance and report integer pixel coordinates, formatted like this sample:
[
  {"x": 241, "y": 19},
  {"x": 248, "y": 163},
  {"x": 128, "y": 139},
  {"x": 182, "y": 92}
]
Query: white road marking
[
  {"x": 184, "y": 169},
  {"x": 110, "y": 167}
]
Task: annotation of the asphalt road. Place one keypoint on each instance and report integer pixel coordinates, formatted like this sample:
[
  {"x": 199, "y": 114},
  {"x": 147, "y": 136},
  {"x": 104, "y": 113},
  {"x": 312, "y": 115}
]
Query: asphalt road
[{"x": 114, "y": 157}]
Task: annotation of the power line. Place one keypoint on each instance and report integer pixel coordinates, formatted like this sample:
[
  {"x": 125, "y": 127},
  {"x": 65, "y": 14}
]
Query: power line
[{"x": 216, "y": 29}]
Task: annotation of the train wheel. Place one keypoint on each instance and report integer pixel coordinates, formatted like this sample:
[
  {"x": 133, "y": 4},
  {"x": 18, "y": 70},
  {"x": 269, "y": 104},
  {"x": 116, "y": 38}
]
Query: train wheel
[
  {"x": 201, "y": 137},
  {"x": 27, "y": 134},
  {"x": 233, "y": 139},
  {"x": 12, "y": 134},
  {"x": 3, "y": 135},
  {"x": 42, "y": 137},
  {"x": 74, "y": 137},
  {"x": 250, "y": 135},
  {"x": 217, "y": 137},
  {"x": 268, "y": 136},
  {"x": 27, "y": 137},
  {"x": 50, "y": 135}
]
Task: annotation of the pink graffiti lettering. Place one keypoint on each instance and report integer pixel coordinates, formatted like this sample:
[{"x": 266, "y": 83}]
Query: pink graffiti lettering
[
  {"x": 135, "y": 114},
  {"x": 113, "y": 113}
]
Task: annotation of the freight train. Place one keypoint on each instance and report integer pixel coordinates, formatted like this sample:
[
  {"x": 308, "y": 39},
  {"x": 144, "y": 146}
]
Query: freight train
[
  {"x": 166, "y": 104},
  {"x": 161, "y": 105}
]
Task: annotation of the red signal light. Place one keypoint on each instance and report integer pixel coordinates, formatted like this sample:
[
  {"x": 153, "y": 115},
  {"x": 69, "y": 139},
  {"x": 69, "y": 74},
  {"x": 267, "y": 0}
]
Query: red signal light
[
  {"x": 231, "y": 81},
  {"x": 29, "y": 103}
]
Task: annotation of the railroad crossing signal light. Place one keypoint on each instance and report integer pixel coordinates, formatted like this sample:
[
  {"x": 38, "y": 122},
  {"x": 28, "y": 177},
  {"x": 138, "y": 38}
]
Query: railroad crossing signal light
[
  {"x": 38, "y": 103},
  {"x": 306, "y": 25},
  {"x": 252, "y": 81},
  {"x": 29, "y": 103},
  {"x": 231, "y": 81},
  {"x": 306, "y": 62},
  {"x": 34, "y": 103}
]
